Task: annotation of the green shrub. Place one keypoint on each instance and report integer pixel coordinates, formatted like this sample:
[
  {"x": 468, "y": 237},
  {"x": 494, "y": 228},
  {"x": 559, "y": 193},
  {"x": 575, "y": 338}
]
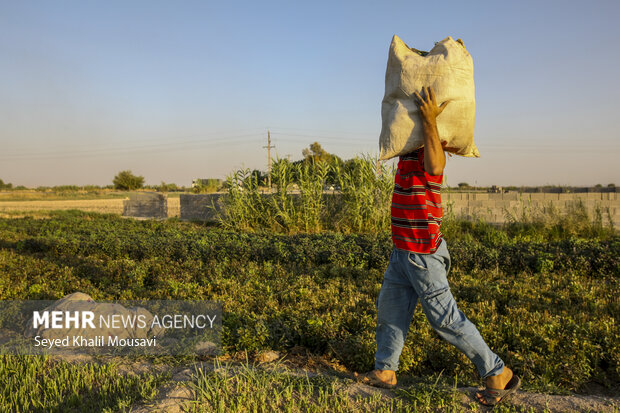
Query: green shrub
[{"x": 127, "y": 181}]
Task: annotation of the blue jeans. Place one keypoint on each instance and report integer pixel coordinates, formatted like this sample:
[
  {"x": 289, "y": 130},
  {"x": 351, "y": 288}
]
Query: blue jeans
[{"x": 411, "y": 277}]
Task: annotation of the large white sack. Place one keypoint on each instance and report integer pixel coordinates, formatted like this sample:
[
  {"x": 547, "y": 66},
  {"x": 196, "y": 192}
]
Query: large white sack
[{"x": 449, "y": 69}]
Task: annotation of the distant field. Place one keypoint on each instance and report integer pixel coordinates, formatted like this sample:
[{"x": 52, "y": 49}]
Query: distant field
[
  {"x": 101, "y": 205},
  {"x": 32, "y": 195}
]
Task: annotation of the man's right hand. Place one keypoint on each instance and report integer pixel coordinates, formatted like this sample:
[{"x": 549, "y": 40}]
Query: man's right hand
[
  {"x": 428, "y": 106},
  {"x": 434, "y": 156}
]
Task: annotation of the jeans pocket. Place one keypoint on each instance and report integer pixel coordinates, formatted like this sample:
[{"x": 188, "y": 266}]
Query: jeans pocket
[
  {"x": 416, "y": 261},
  {"x": 441, "y": 309}
]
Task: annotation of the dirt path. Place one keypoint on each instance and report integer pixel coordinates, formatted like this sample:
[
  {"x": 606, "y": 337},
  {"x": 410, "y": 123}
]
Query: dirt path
[{"x": 177, "y": 395}]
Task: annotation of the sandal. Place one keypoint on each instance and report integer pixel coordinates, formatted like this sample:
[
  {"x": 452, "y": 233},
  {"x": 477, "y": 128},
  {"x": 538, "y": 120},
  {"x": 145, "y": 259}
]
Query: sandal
[
  {"x": 372, "y": 379},
  {"x": 493, "y": 397}
]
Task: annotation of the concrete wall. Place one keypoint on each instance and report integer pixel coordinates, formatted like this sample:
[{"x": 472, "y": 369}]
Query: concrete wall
[
  {"x": 198, "y": 207},
  {"x": 491, "y": 207},
  {"x": 146, "y": 205},
  {"x": 498, "y": 207}
]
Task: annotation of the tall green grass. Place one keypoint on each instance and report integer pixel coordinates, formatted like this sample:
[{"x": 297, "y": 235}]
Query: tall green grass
[
  {"x": 252, "y": 389},
  {"x": 299, "y": 202},
  {"x": 42, "y": 384}
]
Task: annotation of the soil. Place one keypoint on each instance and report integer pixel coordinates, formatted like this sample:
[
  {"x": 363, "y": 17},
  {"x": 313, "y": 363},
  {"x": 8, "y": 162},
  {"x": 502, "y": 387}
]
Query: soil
[{"x": 177, "y": 395}]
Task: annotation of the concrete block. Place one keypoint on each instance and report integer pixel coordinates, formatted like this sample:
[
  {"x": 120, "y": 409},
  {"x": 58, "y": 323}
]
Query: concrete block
[
  {"x": 200, "y": 207},
  {"x": 146, "y": 205}
]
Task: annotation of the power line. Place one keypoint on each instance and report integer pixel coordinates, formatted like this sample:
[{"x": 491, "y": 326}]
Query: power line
[
  {"x": 316, "y": 137},
  {"x": 153, "y": 147},
  {"x": 282, "y": 137},
  {"x": 178, "y": 138},
  {"x": 172, "y": 146},
  {"x": 330, "y": 132}
]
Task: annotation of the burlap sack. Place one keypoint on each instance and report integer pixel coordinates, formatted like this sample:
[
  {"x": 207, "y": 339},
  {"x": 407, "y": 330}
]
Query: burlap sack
[{"x": 449, "y": 70}]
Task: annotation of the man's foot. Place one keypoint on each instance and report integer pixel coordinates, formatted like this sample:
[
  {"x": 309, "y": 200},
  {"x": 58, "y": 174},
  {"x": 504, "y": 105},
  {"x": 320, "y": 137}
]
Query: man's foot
[
  {"x": 498, "y": 387},
  {"x": 378, "y": 378}
]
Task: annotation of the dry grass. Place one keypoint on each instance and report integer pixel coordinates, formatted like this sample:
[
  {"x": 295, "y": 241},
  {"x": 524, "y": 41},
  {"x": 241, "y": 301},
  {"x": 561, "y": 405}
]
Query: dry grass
[
  {"x": 34, "y": 195},
  {"x": 110, "y": 206}
]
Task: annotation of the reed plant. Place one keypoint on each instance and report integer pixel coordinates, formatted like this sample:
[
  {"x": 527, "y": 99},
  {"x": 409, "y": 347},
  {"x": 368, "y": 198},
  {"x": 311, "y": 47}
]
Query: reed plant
[
  {"x": 299, "y": 201},
  {"x": 366, "y": 191},
  {"x": 245, "y": 208}
]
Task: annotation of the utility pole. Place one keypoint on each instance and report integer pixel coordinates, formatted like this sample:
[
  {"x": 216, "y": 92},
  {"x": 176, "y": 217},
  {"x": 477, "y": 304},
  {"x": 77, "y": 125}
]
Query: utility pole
[{"x": 269, "y": 157}]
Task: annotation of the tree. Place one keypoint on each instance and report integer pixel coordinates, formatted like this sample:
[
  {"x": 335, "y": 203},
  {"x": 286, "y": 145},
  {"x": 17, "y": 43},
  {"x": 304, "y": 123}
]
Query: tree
[
  {"x": 201, "y": 186},
  {"x": 463, "y": 185},
  {"x": 8, "y": 185},
  {"x": 315, "y": 153},
  {"x": 127, "y": 181},
  {"x": 164, "y": 187},
  {"x": 259, "y": 176}
]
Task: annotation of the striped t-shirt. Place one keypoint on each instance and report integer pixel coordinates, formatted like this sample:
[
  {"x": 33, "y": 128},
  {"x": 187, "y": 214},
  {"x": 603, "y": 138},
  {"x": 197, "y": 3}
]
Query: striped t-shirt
[{"x": 416, "y": 206}]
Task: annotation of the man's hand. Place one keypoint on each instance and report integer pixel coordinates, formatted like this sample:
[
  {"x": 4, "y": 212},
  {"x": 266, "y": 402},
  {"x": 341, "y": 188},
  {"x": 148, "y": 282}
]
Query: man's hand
[
  {"x": 434, "y": 157},
  {"x": 428, "y": 106}
]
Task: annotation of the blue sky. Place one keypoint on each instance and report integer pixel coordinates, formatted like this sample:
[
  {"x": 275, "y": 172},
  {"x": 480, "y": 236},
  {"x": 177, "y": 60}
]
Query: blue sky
[{"x": 178, "y": 90}]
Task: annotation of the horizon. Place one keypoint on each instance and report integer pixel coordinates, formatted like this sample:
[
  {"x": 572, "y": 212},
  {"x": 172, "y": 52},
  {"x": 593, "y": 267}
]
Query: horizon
[{"x": 178, "y": 92}]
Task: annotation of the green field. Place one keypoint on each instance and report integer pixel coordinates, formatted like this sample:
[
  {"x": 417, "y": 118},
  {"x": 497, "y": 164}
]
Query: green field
[{"x": 545, "y": 297}]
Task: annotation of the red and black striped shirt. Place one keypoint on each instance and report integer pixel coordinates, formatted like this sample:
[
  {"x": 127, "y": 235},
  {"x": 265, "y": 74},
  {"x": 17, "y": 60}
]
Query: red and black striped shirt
[{"x": 416, "y": 206}]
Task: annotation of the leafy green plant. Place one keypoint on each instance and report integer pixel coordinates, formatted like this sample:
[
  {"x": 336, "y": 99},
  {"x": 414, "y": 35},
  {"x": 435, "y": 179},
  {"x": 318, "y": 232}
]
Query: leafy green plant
[{"x": 547, "y": 307}]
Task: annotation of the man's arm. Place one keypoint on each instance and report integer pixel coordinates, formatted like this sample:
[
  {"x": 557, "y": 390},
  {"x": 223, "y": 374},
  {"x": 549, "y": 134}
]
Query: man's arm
[{"x": 434, "y": 157}]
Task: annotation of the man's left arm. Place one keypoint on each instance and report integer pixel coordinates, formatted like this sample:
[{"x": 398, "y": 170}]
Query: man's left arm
[{"x": 434, "y": 157}]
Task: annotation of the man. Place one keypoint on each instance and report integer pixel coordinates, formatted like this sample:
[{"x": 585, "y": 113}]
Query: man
[{"x": 418, "y": 269}]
